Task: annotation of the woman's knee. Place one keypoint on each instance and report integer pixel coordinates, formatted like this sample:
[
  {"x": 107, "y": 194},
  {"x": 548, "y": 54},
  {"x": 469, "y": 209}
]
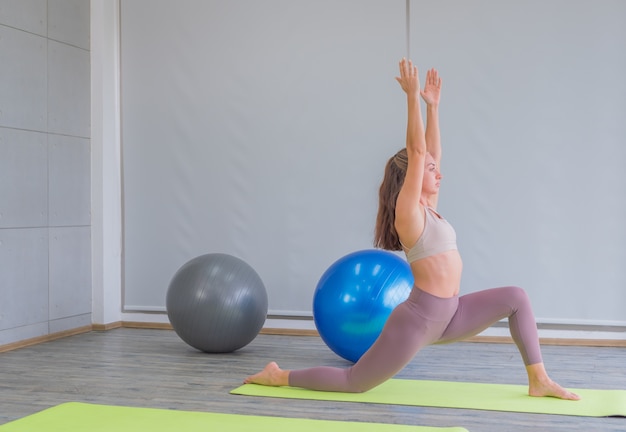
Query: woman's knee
[
  {"x": 518, "y": 297},
  {"x": 361, "y": 387}
]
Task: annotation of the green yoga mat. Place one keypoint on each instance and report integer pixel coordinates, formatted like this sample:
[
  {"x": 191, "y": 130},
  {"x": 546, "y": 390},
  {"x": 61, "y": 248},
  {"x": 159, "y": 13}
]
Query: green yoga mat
[
  {"x": 444, "y": 394},
  {"x": 80, "y": 417}
]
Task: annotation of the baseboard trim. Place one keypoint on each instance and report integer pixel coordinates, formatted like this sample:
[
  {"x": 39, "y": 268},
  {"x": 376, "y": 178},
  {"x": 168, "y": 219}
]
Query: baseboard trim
[
  {"x": 479, "y": 339},
  {"x": 45, "y": 338},
  {"x": 288, "y": 332},
  {"x": 619, "y": 343},
  {"x": 555, "y": 341},
  {"x": 106, "y": 327},
  {"x": 146, "y": 325}
]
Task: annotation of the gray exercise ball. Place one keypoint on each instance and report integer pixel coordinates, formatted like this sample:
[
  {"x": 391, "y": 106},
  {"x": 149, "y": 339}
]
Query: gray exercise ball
[{"x": 216, "y": 303}]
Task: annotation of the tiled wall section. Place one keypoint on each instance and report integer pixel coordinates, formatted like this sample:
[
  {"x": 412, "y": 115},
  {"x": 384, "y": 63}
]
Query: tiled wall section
[{"x": 45, "y": 244}]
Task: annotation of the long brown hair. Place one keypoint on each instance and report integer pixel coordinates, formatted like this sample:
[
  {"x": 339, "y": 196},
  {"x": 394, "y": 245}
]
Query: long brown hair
[{"x": 385, "y": 235}]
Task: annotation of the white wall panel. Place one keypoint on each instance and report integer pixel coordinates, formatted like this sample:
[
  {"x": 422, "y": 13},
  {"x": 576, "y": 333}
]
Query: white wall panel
[
  {"x": 16, "y": 334},
  {"x": 70, "y": 272},
  {"x": 71, "y": 322},
  {"x": 68, "y": 90},
  {"x": 27, "y": 15},
  {"x": 23, "y": 277},
  {"x": 68, "y": 22},
  {"x": 23, "y": 179},
  {"x": 69, "y": 193},
  {"x": 23, "y": 80}
]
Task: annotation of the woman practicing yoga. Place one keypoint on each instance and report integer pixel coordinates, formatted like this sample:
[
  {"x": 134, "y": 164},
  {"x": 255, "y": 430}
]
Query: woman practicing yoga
[{"x": 434, "y": 313}]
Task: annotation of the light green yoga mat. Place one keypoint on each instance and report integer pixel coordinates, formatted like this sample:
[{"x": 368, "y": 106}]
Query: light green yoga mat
[
  {"x": 444, "y": 394},
  {"x": 81, "y": 417}
]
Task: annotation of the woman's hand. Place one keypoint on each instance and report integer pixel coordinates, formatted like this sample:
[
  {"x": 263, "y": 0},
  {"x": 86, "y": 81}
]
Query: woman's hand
[
  {"x": 409, "y": 78},
  {"x": 432, "y": 88}
]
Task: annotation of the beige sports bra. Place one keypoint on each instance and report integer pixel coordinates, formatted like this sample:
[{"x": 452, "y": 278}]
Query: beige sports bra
[{"x": 438, "y": 236}]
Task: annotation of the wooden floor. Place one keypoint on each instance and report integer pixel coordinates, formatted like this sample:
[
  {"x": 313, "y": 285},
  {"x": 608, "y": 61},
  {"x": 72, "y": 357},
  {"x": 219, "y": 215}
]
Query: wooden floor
[{"x": 154, "y": 368}]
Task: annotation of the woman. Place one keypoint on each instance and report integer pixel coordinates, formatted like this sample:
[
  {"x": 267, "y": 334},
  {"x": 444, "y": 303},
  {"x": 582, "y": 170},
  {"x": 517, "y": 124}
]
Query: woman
[{"x": 434, "y": 313}]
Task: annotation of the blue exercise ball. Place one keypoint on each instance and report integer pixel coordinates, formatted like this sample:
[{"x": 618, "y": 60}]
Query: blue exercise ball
[
  {"x": 216, "y": 303},
  {"x": 354, "y": 298}
]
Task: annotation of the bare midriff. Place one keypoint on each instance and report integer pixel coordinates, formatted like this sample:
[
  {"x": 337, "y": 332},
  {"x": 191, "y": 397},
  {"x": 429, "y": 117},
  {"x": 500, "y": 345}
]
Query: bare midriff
[{"x": 439, "y": 275}]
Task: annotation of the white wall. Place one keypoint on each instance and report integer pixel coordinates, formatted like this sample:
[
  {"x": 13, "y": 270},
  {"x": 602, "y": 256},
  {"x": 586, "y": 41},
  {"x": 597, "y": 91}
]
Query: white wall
[
  {"x": 106, "y": 189},
  {"x": 45, "y": 262},
  {"x": 533, "y": 120},
  {"x": 524, "y": 137},
  {"x": 268, "y": 127}
]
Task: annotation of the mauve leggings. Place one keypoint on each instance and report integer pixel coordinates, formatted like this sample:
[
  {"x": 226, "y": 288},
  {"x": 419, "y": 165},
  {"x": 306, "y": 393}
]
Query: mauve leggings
[{"x": 422, "y": 320}]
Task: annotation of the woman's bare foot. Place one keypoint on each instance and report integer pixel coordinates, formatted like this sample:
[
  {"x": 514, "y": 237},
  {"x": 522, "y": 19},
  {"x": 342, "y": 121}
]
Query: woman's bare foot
[
  {"x": 551, "y": 389},
  {"x": 271, "y": 375},
  {"x": 540, "y": 385}
]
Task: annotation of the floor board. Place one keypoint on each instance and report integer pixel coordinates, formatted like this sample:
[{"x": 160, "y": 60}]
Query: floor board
[{"x": 154, "y": 368}]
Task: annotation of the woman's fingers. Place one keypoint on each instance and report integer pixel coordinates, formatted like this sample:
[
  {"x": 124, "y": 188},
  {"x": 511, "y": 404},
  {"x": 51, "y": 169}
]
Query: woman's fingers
[
  {"x": 432, "y": 78},
  {"x": 407, "y": 68},
  {"x": 408, "y": 79}
]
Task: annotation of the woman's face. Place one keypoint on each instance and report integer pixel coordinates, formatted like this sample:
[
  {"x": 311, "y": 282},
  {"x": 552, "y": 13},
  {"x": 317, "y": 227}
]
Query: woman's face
[{"x": 432, "y": 176}]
